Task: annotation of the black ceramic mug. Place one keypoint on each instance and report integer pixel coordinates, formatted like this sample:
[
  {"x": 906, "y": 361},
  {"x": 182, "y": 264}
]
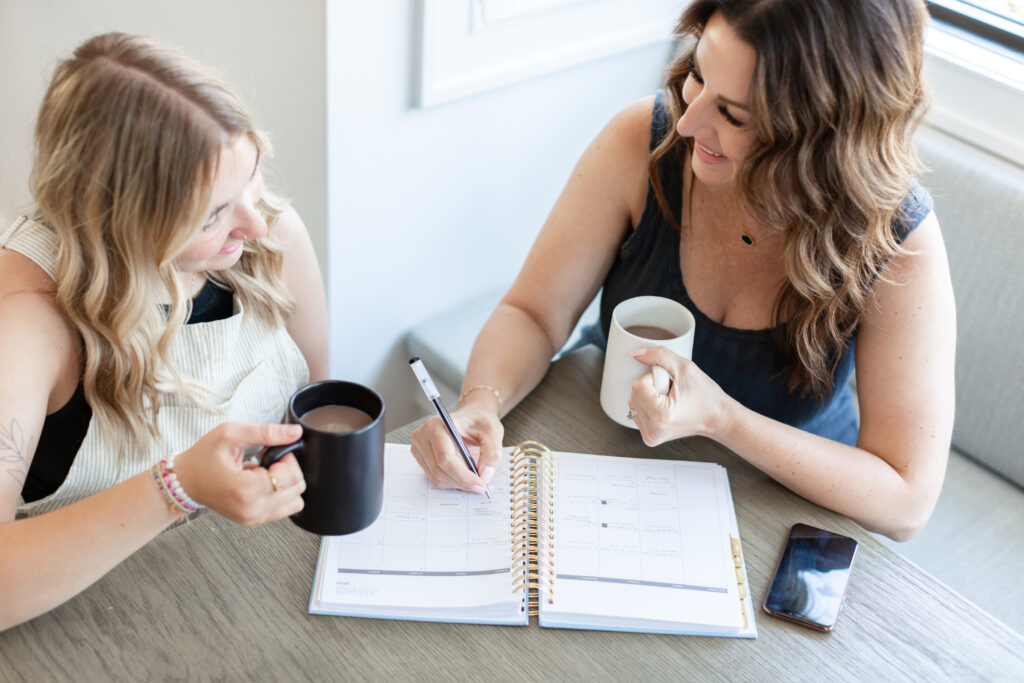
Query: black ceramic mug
[{"x": 344, "y": 470}]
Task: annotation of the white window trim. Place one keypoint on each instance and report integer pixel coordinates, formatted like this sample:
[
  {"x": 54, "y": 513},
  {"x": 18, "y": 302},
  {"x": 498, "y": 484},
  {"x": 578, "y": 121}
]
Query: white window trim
[{"x": 977, "y": 91}]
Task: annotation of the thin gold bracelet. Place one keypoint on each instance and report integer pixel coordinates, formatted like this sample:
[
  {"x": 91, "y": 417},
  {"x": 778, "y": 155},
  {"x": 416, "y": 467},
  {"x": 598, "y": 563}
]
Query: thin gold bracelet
[{"x": 493, "y": 390}]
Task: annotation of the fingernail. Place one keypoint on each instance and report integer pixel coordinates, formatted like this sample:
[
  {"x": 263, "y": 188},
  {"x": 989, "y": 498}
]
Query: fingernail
[
  {"x": 477, "y": 489},
  {"x": 487, "y": 474},
  {"x": 637, "y": 353}
]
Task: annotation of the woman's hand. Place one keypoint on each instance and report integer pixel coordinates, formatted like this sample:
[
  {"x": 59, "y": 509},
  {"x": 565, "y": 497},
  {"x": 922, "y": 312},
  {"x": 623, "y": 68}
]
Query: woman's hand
[
  {"x": 694, "y": 405},
  {"x": 436, "y": 452},
  {"x": 213, "y": 473}
]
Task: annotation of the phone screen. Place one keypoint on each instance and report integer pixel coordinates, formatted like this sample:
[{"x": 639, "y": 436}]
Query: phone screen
[{"x": 811, "y": 577}]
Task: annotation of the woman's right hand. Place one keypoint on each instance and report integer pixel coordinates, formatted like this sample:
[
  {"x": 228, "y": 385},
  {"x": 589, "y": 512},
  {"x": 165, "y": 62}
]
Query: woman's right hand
[
  {"x": 436, "y": 452},
  {"x": 213, "y": 472}
]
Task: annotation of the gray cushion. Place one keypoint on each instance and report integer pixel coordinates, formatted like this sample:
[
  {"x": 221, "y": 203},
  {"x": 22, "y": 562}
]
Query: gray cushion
[
  {"x": 979, "y": 201},
  {"x": 972, "y": 541}
]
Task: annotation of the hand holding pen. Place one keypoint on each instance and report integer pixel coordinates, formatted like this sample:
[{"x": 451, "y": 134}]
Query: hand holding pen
[{"x": 427, "y": 384}]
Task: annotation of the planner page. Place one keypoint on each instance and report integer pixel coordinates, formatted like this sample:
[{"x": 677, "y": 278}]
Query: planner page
[
  {"x": 431, "y": 554},
  {"x": 642, "y": 544}
]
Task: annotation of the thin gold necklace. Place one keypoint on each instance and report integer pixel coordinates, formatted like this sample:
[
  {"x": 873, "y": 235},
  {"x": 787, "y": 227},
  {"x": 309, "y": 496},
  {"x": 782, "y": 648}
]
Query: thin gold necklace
[{"x": 745, "y": 236}]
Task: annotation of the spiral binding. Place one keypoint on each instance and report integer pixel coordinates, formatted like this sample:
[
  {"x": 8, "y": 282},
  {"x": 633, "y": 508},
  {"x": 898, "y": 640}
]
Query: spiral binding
[{"x": 533, "y": 519}]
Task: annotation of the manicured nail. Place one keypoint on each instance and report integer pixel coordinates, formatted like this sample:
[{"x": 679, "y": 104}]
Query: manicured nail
[
  {"x": 477, "y": 489},
  {"x": 637, "y": 353},
  {"x": 487, "y": 474}
]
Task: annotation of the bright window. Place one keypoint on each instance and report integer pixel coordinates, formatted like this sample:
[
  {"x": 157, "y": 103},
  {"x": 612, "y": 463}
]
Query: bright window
[{"x": 998, "y": 21}]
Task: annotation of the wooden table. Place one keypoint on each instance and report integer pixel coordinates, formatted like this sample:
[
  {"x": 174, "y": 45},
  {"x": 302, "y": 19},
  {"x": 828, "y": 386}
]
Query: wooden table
[{"x": 212, "y": 600}]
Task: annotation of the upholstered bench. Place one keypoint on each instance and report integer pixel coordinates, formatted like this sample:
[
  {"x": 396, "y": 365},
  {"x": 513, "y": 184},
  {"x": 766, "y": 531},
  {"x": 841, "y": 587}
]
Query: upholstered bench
[
  {"x": 975, "y": 539},
  {"x": 445, "y": 341}
]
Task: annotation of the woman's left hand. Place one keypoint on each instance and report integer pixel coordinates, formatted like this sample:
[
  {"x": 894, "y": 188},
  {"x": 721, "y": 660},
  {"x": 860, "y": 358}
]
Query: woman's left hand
[{"x": 694, "y": 405}]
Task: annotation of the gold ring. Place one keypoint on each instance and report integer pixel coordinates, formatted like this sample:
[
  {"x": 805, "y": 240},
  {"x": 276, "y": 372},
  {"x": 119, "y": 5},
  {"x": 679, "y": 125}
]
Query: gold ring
[
  {"x": 273, "y": 481},
  {"x": 631, "y": 414}
]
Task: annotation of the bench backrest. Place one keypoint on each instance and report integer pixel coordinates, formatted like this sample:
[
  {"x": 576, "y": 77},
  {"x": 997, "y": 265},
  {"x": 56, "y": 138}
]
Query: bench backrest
[{"x": 979, "y": 201}]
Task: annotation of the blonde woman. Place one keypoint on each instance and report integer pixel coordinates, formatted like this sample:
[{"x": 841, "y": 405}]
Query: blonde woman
[
  {"x": 770, "y": 188},
  {"x": 159, "y": 308}
]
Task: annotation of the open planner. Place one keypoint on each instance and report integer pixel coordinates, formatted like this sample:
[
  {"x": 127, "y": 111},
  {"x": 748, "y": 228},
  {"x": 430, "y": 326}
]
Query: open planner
[{"x": 581, "y": 541}]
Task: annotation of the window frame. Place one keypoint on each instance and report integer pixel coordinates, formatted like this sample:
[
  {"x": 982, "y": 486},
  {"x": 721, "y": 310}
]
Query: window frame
[{"x": 983, "y": 23}]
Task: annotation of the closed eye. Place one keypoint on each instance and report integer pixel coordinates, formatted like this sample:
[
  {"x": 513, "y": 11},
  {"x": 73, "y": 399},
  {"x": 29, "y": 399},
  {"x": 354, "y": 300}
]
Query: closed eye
[
  {"x": 692, "y": 67},
  {"x": 732, "y": 120},
  {"x": 214, "y": 216}
]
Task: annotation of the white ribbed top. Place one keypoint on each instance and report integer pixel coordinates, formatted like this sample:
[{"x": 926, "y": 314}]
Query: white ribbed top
[{"x": 254, "y": 368}]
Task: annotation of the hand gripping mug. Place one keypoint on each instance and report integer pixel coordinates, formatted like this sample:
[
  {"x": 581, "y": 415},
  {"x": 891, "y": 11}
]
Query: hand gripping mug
[{"x": 641, "y": 322}]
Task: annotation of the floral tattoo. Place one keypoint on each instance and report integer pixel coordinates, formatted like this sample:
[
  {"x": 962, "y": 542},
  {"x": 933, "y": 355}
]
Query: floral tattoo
[{"x": 14, "y": 452}]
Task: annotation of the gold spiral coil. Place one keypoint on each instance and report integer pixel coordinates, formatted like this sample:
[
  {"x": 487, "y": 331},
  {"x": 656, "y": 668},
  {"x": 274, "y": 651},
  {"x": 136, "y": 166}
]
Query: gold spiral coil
[{"x": 532, "y": 520}]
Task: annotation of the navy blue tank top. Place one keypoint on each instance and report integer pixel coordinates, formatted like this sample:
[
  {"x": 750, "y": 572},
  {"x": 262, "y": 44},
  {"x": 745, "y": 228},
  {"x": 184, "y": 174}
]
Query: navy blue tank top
[{"x": 745, "y": 363}]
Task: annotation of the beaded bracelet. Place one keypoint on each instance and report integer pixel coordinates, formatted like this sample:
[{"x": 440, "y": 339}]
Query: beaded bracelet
[
  {"x": 168, "y": 464},
  {"x": 170, "y": 488},
  {"x": 165, "y": 493},
  {"x": 493, "y": 390}
]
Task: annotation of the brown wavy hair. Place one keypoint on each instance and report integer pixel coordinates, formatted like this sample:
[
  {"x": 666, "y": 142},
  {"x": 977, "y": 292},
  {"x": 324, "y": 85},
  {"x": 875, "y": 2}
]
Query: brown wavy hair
[
  {"x": 835, "y": 96},
  {"x": 128, "y": 139}
]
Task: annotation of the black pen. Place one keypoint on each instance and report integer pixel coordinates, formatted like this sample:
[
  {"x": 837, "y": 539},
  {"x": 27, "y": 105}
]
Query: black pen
[{"x": 435, "y": 397}]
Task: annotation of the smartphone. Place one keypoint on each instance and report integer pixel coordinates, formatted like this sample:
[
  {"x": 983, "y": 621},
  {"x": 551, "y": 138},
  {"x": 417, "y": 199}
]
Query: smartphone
[{"x": 810, "y": 580}]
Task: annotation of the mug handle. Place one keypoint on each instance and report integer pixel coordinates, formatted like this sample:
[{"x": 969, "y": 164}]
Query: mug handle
[
  {"x": 275, "y": 453},
  {"x": 662, "y": 380}
]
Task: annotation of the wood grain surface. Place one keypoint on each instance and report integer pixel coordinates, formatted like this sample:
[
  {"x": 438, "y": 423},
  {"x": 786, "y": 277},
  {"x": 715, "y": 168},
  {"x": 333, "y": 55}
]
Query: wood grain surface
[{"x": 213, "y": 601}]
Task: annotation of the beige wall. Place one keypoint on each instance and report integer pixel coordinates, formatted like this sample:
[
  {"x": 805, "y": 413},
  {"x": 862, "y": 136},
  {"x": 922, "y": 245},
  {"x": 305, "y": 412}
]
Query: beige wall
[{"x": 272, "y": 53}]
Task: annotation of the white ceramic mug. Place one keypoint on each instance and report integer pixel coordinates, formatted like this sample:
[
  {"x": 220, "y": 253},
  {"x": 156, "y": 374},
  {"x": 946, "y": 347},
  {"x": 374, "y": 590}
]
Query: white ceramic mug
[{"x": 621, "y": 370}]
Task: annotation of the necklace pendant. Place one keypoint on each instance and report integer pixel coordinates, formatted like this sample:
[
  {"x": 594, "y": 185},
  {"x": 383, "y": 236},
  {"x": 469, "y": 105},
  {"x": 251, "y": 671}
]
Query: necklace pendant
[{"x": 747, "y": 239}]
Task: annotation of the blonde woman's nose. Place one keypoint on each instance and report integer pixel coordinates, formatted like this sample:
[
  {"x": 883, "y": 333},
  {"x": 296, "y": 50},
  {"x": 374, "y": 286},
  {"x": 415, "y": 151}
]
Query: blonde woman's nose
[{"x": 249, "y": 222}]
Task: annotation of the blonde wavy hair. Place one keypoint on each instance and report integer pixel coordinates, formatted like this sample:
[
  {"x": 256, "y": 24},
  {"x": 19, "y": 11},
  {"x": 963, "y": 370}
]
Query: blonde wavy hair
[
  {"x": 128, "y": 139},
  {"x": 835, "y": 97}
]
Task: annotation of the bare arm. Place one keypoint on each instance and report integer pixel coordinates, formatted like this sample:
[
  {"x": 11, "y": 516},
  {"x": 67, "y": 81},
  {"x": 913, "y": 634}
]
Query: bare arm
[
  {"x": 45, "y": 560},
  {"x": 308, "y": 323},
  {"x": 563, "y": 271},
  {"x": 891, "y": 480}
]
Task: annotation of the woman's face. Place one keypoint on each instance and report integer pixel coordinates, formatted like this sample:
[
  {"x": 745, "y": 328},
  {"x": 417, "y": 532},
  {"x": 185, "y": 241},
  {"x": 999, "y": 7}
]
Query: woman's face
[
  {"x": 232, "y": 216},
  {"x": 718, "y": 114}
]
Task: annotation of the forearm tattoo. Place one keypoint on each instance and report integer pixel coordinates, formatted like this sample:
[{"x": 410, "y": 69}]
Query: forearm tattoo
[{"x": 14, "y": 452}]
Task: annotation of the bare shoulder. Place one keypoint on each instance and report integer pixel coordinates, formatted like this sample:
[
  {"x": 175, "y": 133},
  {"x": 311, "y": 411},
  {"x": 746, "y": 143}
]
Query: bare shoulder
[
  {"x": 300, "y": 264},
  {"x": 629, "y": 132},
  {"x": 922, "y": 270},
  {"x": 37, "y": 341},
  {"x": 28, "y": 305},
  {"x": 18, "y": 273},
  {"x": 289, "y": 227},
  {"x": 616, "y": 160}
]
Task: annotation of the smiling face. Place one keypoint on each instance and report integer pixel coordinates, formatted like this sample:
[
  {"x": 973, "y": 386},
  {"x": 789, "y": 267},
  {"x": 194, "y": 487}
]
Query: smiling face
[
  {"x": 718, "y": 116},
  {"x": 232, "y": 215}
]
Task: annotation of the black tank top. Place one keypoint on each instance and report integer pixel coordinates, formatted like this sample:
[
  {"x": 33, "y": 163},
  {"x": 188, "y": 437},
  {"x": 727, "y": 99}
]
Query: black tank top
[{"x": 65, "y": 429}]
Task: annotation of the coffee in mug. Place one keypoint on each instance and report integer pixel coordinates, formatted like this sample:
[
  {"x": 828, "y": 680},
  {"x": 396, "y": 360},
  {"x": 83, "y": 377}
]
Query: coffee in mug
[
  {"x": 337, "y": 419},
  {"x": 651, "y": 332},
  {"x": 341, "y": 454},
  {"x": 642, "y": 322}
]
